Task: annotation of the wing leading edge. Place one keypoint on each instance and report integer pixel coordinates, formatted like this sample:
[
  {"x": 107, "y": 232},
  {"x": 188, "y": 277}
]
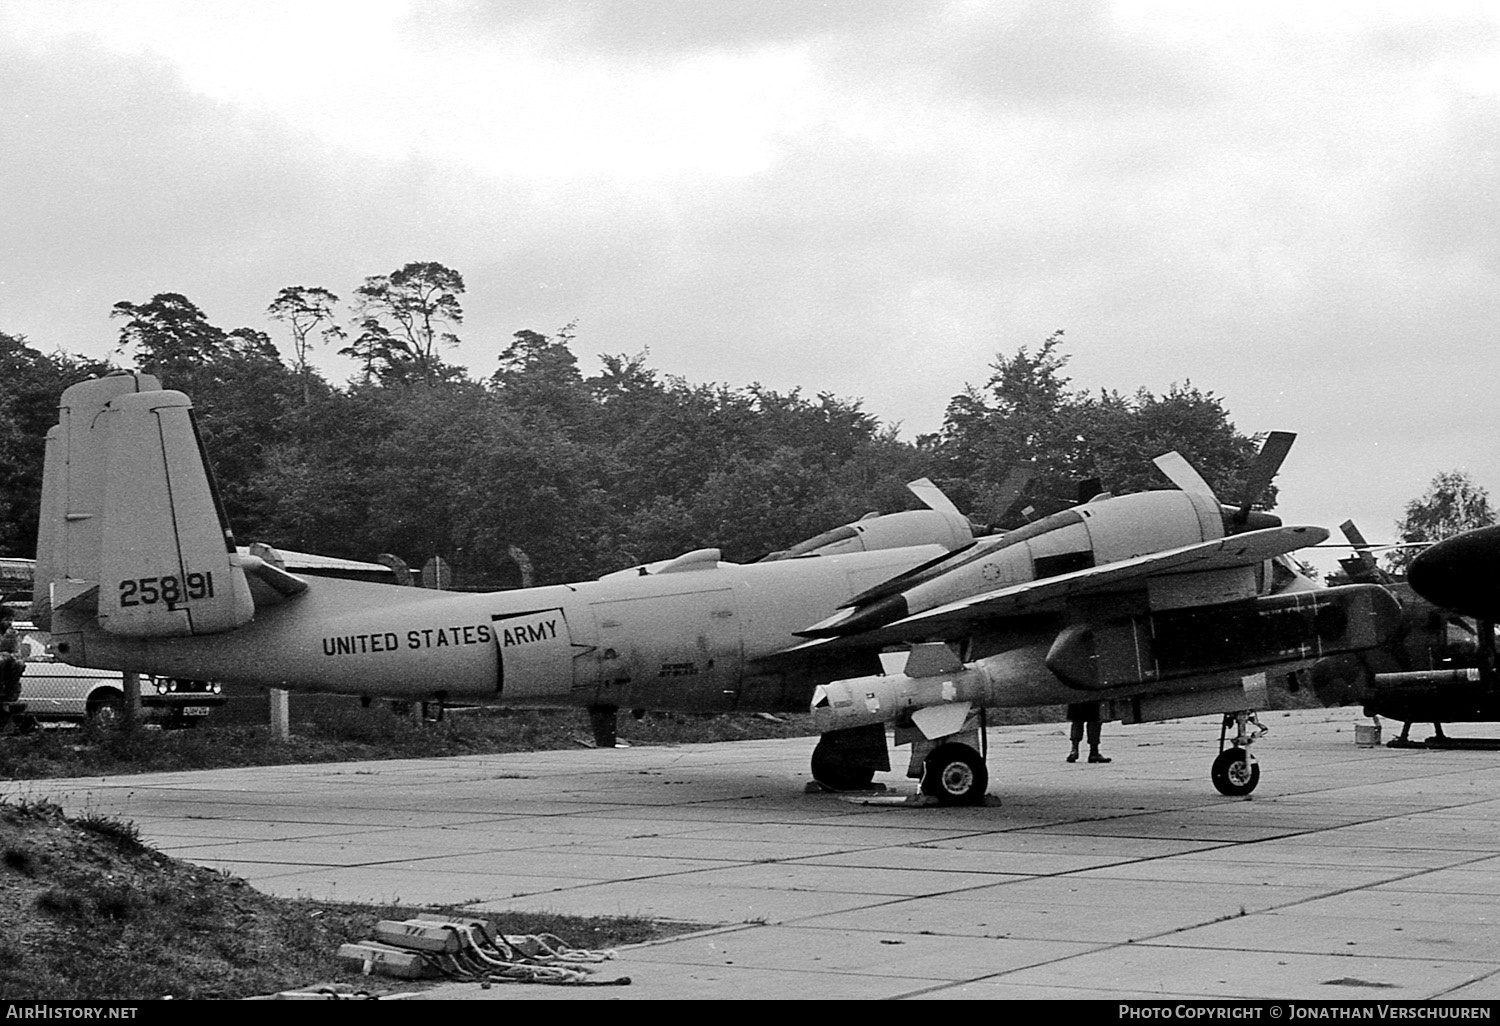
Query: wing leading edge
[{"x": 1047, "y": 594}]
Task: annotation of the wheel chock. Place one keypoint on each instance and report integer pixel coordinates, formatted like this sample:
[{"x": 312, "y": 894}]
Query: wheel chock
[
  {"x": 383, "y": 960},
  {"x": 485, "y": 930},
  {"x": 415, "y": 935}
]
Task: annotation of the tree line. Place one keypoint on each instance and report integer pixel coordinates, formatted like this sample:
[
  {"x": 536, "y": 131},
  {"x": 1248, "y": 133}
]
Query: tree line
[{"x": 578, "y": 475}]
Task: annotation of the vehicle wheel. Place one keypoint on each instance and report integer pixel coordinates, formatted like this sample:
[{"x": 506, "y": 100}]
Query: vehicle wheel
[
  {"x": 955, "y": 774},
  {"x": 106, "y": 708},
  {"x": 838, "y": 774},
  {"x": 1234, "y": 773}
]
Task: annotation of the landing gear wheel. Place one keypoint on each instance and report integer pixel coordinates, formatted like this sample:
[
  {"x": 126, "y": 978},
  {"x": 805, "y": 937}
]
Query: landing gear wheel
[
  {"x": 955, "y": 774},
  {"x": 847, "y": 760},
  {"x": 1234, "y": 773},
  {"x": 107, "y": 709},
  {"x": 837, "y": 774}
]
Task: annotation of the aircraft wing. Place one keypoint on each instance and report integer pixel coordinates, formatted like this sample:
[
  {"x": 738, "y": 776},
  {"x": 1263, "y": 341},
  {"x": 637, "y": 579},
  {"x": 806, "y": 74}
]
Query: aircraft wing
[{"x": 1050, "y": 593}]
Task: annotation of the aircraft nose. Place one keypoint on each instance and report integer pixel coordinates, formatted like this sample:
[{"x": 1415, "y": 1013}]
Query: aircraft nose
[{"x": 1462, "y": 573}]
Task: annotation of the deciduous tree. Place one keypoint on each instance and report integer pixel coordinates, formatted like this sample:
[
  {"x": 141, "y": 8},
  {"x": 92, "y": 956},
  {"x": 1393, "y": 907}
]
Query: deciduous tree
[
  {"x": 30, "y": 383},
  {"x": 303, "y": 308},
  {"x": 1452, "y": 504},
  {"x": 1027, "y": 414},
  {"x": 403, "y": 317}
]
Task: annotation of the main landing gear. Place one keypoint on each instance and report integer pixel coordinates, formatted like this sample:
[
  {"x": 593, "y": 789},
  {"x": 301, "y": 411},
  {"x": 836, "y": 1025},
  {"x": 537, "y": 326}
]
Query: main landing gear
[
  {"x": 955, "y": 774},
  {"x": 951, "y": 770},
  {"x": 847, "y": 760},
  {"x": 1235, "y": 772}
]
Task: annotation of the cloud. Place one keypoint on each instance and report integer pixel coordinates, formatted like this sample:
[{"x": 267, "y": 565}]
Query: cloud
[
  {"x": 1293, "y": 208},
  {"x": 651, "y": 30},
  {"x": 134, "y": 184}
]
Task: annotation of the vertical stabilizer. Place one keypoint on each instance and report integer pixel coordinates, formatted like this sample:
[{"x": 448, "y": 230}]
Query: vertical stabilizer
[
  {"x": 68, "y": 538},
  {"x": 48, "y": 531},
  {"x": 132, "y": 525},
  {"x": 169, "y": 566}
]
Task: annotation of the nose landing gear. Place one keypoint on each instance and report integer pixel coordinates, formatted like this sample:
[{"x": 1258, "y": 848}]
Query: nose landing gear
[{"x": 1235, "y": 772}]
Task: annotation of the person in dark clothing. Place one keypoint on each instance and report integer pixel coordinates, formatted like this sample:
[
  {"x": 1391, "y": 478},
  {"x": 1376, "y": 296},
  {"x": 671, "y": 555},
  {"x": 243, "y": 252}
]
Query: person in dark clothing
[
  {"x": 1085, "y": 715},
  {"x": 11, "y": 663}
]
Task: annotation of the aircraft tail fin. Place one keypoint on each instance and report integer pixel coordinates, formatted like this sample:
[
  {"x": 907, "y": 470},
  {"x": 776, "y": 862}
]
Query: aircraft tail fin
[{"x": 132, "y": 530}]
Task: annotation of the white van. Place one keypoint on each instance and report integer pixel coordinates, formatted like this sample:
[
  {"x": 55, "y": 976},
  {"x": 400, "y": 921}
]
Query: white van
[{"x": 56, "y": 691}]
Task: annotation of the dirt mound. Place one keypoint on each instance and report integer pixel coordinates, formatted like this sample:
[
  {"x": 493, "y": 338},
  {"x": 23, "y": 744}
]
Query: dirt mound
[{"x": 90, "y": 912}]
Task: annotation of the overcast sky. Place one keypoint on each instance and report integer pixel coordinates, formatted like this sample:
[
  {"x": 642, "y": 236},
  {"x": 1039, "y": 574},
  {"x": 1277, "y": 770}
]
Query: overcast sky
[{"x": 1294, "y": 206}]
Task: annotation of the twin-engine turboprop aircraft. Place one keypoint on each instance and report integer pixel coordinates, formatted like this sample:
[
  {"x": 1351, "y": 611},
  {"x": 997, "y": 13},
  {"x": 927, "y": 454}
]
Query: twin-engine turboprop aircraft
[{"x": 1159, "y": 604}]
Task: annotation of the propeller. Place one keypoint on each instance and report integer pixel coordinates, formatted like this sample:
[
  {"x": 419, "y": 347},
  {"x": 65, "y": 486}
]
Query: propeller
[
  {"x": 1263, "y": 470},
  {"x": 931, "y": 496},
  {"x": 1004, "y": 497},
  {"x": 1361, "y": 567}
]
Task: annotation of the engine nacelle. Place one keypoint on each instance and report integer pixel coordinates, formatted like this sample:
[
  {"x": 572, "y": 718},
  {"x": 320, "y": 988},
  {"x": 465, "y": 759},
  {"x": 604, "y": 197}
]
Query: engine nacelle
[{"x": 885, "y": 531}]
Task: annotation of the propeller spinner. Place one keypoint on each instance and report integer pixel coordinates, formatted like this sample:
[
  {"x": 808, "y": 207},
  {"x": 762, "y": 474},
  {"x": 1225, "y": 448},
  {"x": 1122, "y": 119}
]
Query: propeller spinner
[{"x": 1461, "y": 573}]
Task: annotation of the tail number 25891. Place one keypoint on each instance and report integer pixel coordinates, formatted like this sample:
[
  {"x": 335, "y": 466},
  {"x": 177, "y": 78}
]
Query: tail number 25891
[{"x": 148, "y": 591}]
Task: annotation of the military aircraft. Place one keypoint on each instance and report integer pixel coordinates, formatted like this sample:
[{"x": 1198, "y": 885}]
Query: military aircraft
[
  {"x": 1158, "y": 604},
  {"x": 1430, "y": 670},
  {"x": 1449, "y": 674}
]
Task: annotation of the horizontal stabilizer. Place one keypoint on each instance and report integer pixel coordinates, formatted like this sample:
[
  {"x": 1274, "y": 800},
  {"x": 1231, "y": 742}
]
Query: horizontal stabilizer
[
  {"x": 80, "y": 597},
  {"x": 269, "y": 584}
]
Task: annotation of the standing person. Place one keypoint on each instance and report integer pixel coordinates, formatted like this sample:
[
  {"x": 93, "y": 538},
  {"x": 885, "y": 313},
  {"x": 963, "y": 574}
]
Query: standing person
[
  {"x": 1085, "y": 714},
  {"x": 11, "y": 663}
]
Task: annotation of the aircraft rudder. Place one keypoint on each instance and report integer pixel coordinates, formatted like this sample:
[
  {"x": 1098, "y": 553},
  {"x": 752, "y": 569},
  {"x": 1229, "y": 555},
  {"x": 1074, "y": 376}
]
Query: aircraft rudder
[{"x": 169, "y": 566}]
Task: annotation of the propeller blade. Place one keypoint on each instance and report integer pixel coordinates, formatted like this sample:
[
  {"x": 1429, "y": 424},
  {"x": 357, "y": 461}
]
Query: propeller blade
[
  {"x": 932, "y": 496},
  {"x": 1266, "y": 466},
  {"x": 1181, "y": 473},
  {"x": 1011, "y": 488},
  {"x": 1354, "y": 536},
  {"x": 1363, "y": 561}
]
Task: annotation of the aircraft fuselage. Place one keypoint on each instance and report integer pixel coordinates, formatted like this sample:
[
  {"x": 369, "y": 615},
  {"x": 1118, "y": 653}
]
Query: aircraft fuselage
[{"x": 687, "y": 639}]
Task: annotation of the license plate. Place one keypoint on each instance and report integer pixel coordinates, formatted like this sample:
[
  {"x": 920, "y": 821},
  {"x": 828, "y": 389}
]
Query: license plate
[{"x": 195, "y": 710}]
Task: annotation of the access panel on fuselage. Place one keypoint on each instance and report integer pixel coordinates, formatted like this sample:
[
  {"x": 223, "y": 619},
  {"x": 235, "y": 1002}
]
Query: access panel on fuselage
[
  {"x": 669, "y": 651},
  {"x": 537, "y": 655}
]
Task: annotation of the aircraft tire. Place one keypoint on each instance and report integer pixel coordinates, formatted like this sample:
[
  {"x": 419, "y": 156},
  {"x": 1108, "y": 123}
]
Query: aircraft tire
[
  {"x": 106, "y": 708},
  {"x": 955, "y": 774},
  {"x": 1234, "y": 773},
  {"x": 847, "y": 760},
  {"x": 837, "y": 774}
]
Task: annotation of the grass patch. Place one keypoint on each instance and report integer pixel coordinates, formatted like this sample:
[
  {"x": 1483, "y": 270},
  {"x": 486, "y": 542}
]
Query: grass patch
[
  {"x": 352, "y": 733},
  {"x": 87, "y": 912}
]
